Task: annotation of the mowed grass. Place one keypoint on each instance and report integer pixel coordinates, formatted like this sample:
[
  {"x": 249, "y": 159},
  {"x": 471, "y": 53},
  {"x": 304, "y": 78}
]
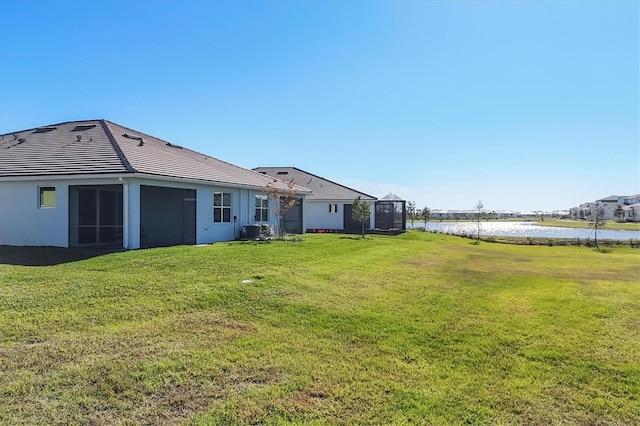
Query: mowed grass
[
  {"x": 416, "y": 329},
  {"x": 567, "y": 223}
]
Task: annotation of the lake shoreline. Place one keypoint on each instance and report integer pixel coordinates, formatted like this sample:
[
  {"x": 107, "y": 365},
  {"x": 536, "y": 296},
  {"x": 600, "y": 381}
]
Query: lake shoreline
[
  {"x": 546, "y": 241},
  {"x": 529, "y": 232},
  {"x": 549, "y": 222}
]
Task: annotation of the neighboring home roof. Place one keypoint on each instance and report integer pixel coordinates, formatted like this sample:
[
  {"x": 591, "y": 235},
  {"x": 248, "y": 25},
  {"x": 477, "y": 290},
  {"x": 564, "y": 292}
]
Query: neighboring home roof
[
  {"x": 391, "y": 197},
  {"x": 102, "y": 147},
  {"x": 322, "y": 189},
  {"x": 609, "y": 199},
  {"x": 625, "y": 199}
]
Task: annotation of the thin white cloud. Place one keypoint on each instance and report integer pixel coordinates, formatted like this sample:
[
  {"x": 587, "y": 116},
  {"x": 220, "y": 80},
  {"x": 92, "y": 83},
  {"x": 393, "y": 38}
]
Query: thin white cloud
[{"x": 379, "y": 190}]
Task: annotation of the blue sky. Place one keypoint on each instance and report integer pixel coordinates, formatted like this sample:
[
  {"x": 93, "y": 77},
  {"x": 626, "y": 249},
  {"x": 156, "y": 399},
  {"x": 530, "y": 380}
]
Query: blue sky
[{"x": 525, "y": 105}]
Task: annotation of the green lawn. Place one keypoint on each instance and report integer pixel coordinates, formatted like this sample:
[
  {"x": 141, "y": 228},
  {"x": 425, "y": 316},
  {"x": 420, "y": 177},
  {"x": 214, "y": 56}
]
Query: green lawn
[
  {"x": 420, "y": 328},
  {"x": 566, "y": 223}
]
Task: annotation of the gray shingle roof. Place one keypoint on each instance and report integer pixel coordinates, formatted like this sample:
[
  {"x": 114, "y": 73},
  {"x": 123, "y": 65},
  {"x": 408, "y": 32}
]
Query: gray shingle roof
[
  {"x": 61, "y": 149},
  {"x": 323, "y": 189},
  {"x": 103, "y": 147},
  {"x": 392, "y": 197}
]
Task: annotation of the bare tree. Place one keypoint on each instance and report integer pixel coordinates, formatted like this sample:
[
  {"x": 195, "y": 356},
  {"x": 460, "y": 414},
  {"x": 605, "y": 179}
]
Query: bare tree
[
  {"x": 282, "y": 195},
  {"x": 361, "y": 212},
  {"x": 425, "y": 214},
  {"x": 478, "y": 214},
  {"x": 411, "y": 211},
  {"x": 596, "y": 218}
]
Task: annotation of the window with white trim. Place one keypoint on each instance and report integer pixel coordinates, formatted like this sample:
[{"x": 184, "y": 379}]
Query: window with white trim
[
  {"x": 47, "y": 197},
  {"x": 333, "y": 208},
  {"x": 222, "y": 207},
  {"x": 262, "y": 208}
]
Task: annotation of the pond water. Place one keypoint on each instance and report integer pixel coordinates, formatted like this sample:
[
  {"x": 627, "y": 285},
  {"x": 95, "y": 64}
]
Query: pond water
[{"x": 525, "y": 229}]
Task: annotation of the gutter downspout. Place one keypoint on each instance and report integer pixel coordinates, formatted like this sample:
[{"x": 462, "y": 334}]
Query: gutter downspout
[{"x": 125, "y": 213}]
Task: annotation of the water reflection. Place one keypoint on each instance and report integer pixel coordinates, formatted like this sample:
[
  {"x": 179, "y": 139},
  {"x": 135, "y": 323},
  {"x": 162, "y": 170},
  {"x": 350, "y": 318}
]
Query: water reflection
[{"x": 525, "y": 229}]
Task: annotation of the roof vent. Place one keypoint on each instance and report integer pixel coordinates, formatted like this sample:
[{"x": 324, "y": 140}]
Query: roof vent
[
  {"x": 83, "y": 127},
  {"x": 16, "y": 138},
  {"x": 174, "y": 145},
  {"x": 44, "y": 129},
  {"x": 138, "y": 138},
  {"x": 78, "y": 138},
  {"x": 283, "y": 173}
]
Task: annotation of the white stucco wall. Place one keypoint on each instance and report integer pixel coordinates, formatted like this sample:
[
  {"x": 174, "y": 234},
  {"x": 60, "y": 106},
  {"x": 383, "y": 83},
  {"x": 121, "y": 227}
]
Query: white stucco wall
[
  {"x": 23, "y": 223},
  {"x": 318, "y": 216},
  {"x": 207, "y": 231}
]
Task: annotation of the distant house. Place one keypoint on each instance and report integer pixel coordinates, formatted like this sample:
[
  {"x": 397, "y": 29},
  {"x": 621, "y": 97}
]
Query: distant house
[
  {"x": 97, "y": 183},
  {"x": 329, "y": 206},
  {"x": 629, "y": 204},
  {"x": 505, "y": 214},
  {"x": 451, "y": 214}
]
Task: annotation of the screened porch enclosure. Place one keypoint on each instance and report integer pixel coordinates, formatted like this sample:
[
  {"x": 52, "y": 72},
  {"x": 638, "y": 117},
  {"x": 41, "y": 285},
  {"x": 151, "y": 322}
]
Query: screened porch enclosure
[
  {"x": 391, "y": 215},
  {"x": 95, "y": 215},
  {"x": 291, "y": 221}
]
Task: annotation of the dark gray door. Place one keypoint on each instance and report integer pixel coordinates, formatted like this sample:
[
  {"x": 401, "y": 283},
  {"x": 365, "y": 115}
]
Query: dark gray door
[
  {"x": 351, "y": 225},
  {"x": 189, "y": 221},
  {"x": 167, "y": 216}
]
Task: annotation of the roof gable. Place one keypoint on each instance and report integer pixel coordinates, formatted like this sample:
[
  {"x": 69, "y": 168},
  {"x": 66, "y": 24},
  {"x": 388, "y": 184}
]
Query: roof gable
[{"x": 322, "y": 189}]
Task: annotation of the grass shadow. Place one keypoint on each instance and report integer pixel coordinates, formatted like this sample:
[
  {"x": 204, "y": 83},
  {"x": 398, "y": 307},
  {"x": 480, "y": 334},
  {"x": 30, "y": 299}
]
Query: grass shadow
[{"x": 49, "y": 256}]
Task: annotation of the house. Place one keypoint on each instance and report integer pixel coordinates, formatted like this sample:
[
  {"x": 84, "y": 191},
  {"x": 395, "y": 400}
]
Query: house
[
  {"x": 629, "y": 205},
  {"x": 97, "y": 183},
  {"x": 329, "y": 206},
  {"x": 504, "y": 214}
]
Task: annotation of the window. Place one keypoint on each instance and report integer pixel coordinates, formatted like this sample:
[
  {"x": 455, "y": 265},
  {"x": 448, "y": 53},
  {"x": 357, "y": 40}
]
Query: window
[
  {"x": 333, "y": 208},
  {"x": 262, "y": 208},
  {"x": 47, "y": 197},
  {"x": 222, "y": 207}
]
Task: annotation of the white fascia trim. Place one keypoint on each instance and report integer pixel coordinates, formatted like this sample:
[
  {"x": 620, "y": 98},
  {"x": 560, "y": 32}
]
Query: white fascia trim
[
  {"x": 64, "y": 177},
  {"x": 200, "y": 182},
  {"x": 138, "y": 176},
  {"x": 333, "y": 200}
]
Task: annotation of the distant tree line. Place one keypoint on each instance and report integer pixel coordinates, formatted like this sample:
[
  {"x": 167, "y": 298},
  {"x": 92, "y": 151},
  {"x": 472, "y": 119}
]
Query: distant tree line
[{"x": 424, "y": 214}]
